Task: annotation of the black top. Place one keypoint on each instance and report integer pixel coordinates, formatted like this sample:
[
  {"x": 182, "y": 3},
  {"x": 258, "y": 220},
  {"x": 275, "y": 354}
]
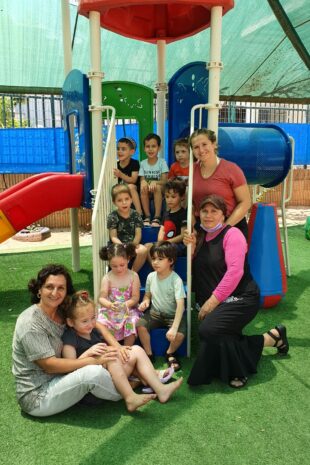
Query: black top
[
  {"x": 173, "y": 222},
  {"x": 209, "y": 267},
  {"x": 81, "y": 344},
  {"x": 132, "y": 166}
]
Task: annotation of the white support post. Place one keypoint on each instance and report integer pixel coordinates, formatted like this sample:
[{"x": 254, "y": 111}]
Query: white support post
[
  {"x": 96, "y": 76},
  {"x": 214, "y": 66},
  {"x": 74, "y": 219},
  {"x": 161, "y": 90}
]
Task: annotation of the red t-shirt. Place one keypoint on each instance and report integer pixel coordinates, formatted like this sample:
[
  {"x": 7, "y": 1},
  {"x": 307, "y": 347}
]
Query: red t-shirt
[
  {"x": 176, "y": 170},
  {"x": 223, "y": 181}
]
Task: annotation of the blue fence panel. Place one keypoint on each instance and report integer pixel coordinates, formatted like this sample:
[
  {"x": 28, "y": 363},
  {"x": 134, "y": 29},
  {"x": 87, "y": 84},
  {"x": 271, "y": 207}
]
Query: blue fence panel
[
  {"x": 27, "y": 150},
  {"x": 301, "y": 134},
  {"x": 38, "y": 150}
]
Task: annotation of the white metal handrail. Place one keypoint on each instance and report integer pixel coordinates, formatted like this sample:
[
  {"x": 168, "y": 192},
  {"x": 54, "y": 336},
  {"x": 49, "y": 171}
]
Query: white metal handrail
[
  {"x": 200, "y": 108},
  {"x": 103, "y": 201}
]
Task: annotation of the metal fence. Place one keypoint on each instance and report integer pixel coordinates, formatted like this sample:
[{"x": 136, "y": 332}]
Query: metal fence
[{"x": 45, "y": 111}]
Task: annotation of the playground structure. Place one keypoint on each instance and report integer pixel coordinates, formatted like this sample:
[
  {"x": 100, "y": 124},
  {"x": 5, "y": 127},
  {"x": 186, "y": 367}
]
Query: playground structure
[{"x": 111, "y": 15}]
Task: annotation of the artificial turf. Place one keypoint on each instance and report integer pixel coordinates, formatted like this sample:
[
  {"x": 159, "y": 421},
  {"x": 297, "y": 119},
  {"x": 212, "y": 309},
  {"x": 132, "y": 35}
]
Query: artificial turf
[{"x": 267, "y": 422}]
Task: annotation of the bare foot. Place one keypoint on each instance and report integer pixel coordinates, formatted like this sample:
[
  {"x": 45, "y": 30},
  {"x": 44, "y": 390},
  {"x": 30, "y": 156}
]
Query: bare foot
[
  {"x": 137, "y": 400},
  {"x": 166, "y": 390}
]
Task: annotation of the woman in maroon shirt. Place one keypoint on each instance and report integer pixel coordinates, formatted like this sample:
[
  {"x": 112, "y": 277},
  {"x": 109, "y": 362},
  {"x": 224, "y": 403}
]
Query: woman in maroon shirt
[{"x": 214, "y": 175}]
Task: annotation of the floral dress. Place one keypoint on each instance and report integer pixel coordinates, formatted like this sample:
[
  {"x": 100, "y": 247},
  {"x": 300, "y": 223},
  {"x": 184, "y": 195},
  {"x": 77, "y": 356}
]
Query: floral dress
[{"x": 121, "y": 323}]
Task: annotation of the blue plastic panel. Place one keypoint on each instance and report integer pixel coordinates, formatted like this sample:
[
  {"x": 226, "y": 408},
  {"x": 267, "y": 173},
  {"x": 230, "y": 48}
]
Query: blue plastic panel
[{"x": 27, "y": 150}]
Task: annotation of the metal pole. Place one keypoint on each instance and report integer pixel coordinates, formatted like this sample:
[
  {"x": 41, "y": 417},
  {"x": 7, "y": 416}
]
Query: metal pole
[
  {"x": 74, "y": 220},
  {"x": 161, "y": 90},
  {"x": 214, "y": 66},
  {"x": 96, "y": 93}
]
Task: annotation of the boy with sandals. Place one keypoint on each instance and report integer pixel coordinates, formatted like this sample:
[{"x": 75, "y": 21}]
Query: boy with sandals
[{"x": 164, "y": 294}]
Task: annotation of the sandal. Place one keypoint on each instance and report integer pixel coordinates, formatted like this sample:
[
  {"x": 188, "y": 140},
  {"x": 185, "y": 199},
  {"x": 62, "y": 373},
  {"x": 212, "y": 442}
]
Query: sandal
[
  {"x": 164, "y": 376},
  {"x": 238, "y": 383},
  {"x": 156, "y": 222},
  {"x": 172, "y": 361},
  {"x": 284, "y": 347},
  {"x": 147, "y": 221}
]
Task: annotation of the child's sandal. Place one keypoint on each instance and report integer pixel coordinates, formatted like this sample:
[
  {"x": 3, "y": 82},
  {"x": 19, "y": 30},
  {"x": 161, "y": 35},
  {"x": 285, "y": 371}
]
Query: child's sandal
[
  {"x": 147, "y": 221},
  {"x": 172, "y": 361},
  {"x": 156, "y": 222}
]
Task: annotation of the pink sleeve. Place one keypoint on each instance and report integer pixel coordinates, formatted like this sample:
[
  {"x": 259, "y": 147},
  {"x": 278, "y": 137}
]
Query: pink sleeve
[{"x": 235, "y": 248}]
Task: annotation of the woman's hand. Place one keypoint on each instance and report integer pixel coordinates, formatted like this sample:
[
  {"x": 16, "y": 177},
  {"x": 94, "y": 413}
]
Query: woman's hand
[
  {"x": 189, "y": 238},
  {"x": 124, "y": 353},
  {"x": 171, "y": 334},
  {"x": 207, "y": 307},
  {"x": 110, "y": 354}
]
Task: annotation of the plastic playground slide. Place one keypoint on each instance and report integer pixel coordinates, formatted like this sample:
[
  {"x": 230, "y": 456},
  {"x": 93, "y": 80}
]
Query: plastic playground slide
[{"x": 37, "y": 197}]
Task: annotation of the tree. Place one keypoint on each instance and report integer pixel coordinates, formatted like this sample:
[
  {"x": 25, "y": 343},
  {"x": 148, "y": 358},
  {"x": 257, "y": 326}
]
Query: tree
[{"x": 7, "y": 112}]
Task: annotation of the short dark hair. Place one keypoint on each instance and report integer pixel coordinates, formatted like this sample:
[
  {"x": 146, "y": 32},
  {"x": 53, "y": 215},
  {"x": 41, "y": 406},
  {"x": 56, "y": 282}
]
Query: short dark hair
[
  {"x": 215, "y": 200},
  {"x": 152, "y": 136},
  {"x": 35, "y": 284},
  {"x": 129, "y": 141},
  {"x": 177, "y": 185},
  {"x": 165, "y": 249},
  {"x": 127, "y": 251}
]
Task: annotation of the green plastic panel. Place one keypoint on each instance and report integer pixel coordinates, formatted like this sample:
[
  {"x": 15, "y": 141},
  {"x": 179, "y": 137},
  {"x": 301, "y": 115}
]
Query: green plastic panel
[{"x": 131, "y": 101}]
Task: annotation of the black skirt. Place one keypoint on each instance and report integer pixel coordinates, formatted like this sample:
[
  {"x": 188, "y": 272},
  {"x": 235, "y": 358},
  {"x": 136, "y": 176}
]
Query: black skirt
[{"x": 224, "y": 352}]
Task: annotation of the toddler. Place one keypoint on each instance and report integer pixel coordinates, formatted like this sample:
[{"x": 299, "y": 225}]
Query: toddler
[
  {"x": 164, "y": 292},
  {"x": 125, "y": 224},
  {"x": 153, "y": 175},
  {"x": 180, "y": 168},
  {"x": 127, "y": 170},
  {"x": 81, "y": 339},
  {"x": 119, "y": 293}
]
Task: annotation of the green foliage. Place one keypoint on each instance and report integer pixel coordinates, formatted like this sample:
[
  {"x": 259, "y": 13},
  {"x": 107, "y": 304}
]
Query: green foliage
[{"x": 7, "y": 118}]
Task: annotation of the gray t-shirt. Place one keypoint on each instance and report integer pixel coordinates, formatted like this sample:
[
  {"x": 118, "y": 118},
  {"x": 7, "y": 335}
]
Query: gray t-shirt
[
  {"x": 36, "y": 336},
  {"x": 165, "y": 292},
  {"x": 153, "y": 172}
]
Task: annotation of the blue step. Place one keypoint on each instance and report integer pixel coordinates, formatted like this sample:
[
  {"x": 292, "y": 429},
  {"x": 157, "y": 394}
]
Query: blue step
[
  {"x": 149, "y": 234},
  {"x": 160, "y": 344}
]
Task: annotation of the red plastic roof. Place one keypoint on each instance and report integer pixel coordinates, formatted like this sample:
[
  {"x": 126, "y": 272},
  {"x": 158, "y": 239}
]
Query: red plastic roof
[{"x": 152, "y": 20}]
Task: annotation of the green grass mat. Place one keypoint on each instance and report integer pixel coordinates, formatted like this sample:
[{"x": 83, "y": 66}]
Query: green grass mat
[{"x": 265, "y": 423}]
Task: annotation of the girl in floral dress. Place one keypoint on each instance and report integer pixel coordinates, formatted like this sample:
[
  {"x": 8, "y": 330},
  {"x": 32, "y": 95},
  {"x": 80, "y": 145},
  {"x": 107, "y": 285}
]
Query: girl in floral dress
[{"x": 119, "y": 293}]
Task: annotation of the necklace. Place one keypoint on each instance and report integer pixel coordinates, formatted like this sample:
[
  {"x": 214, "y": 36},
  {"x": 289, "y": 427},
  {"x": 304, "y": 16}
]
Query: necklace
[{"x": 205, "y": 173}]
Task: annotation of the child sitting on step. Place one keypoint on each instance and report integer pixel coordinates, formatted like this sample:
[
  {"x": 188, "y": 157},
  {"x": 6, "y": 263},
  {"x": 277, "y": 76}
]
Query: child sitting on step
[
  {"x": 164, "y": 294},
  {"x": 125, "y": 224}
]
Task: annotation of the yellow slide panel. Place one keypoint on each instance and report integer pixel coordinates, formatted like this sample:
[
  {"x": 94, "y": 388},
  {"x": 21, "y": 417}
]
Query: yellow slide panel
[{"x": 6, "y": 229}]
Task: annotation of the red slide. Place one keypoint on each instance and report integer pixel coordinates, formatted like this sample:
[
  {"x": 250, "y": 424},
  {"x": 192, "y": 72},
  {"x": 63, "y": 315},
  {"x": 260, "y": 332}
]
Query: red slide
[{"x": 36, "y": 197}]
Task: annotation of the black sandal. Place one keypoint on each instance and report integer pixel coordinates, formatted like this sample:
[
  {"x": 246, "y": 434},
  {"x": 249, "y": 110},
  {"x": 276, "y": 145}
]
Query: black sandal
[
  {"x": 284, "y": 347},
  {"x": 172, "y": 360},
  {"x": 156, "y": 222},
  {"x": 242, "y": 382},
  {"x": 147, "y": 221}
]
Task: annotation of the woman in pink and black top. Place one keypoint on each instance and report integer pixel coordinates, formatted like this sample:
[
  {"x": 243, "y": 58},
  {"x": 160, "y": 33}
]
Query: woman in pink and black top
[
  {"x": 214, "y": 175},
  {"x": 228, "y": 300}
]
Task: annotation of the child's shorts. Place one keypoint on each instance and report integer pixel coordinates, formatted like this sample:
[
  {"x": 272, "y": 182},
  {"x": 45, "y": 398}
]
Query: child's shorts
[{"x": 154, "y": 320}]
